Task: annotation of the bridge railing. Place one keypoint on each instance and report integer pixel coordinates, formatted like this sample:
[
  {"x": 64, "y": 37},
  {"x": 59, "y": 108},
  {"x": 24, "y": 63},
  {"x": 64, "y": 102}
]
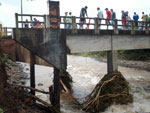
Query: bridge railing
[
  {"x": 96, "y": 23},
  {"x": 90, "y": 23},
  {"x": 41, "y": 23},
  {"x": 6, "y": 31}
]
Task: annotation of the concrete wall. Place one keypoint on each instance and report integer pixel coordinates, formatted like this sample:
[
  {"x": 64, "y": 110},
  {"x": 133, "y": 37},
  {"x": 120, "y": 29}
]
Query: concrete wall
[
  {"x": 48, "y": 44},
  {"x": 91, "y": 43},
  {"x": 16, "y": 52}
]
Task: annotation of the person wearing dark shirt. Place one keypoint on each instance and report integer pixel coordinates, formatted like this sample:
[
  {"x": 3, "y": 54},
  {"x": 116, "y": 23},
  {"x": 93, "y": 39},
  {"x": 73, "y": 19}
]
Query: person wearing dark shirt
[
  {"x": 123, "y": 17},
  {"x": 113, "y": 17},
  {"x": 83, "y": 13}
]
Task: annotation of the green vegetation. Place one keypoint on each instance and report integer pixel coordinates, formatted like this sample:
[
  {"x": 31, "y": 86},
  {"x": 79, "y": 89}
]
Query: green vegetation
[
  {"x": 1, "y": 110},
  {"x": 136, "y": 55}
]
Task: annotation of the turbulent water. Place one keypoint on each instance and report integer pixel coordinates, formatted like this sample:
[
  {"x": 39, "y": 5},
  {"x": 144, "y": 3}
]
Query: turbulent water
[{"x": 86, "y": 73}]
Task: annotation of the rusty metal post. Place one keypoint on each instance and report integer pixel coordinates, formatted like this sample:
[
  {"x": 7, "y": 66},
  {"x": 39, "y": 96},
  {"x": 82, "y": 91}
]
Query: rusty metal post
[{"x": 32, "y": 72}]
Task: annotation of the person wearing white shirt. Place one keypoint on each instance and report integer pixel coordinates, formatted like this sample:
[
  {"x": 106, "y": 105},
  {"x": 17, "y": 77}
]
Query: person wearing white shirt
[{"x": 99, "y": 15}]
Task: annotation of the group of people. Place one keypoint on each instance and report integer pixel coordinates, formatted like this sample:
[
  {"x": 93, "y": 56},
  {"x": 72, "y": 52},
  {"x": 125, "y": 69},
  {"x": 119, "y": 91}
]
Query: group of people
[
  {"x": 68, "y": 20},
  {"x": 36, "y": 24},
  {"x": 110, "y": 17}
]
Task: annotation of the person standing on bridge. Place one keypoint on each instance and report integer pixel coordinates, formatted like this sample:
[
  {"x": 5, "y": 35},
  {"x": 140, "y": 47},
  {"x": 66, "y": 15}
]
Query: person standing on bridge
[
  {"x": 83, "y": 12},
  {"x": 26, "y": 25},
  {"x": 123, "y": 17},
  {"x": 148, "y": 21},
  {"x": 136, "y": 18},
  {"x": 66, "y": 21},
  {"x": 108, "y": 13},
  {"x": 100, "y": 16},
  {"x": 113, "y": 17},
  {"x": 143, "y": 20},
  {"x": 70, "y": 20},
  {"x": 128, "y": 18}
]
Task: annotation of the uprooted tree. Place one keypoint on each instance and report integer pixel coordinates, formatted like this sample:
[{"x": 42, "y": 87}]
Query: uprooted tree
[{"x": 112, "y": 89}]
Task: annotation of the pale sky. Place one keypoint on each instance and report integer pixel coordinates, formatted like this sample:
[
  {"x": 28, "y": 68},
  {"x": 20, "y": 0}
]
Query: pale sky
[{"x": 10, "y": 7}]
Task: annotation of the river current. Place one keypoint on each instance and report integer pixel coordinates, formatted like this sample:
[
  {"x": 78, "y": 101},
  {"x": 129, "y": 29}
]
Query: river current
[{"x": 86, "y": 73}]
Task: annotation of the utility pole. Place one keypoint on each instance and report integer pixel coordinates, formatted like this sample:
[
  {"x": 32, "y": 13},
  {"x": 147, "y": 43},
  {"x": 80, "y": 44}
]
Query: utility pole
[{"x": 21, "y": 10}]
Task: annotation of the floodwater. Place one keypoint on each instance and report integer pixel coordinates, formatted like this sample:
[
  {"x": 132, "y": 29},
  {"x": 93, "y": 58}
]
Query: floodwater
[{"x": 86, "y": 73}]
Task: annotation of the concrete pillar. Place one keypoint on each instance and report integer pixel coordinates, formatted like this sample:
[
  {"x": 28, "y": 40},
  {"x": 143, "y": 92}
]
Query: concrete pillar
[
  {"x": 32, "y": 72},
  {"x": 54, "y": 14},
  {"x": 74, "y": 25},
  {"x": 112, "y": 61},
  {"x": 132, "y": 27},
  {"x": 96, "y": 26},
  {"x": 54, "y": 21},
  {"x": 56, "y": 88},
  {"x": 115, "y": 26}
]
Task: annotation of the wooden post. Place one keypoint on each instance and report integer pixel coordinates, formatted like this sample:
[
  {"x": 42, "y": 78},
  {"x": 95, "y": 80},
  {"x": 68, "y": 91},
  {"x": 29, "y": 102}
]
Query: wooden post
[
  {"x": 96, "y": 26},
  {"x": 74, "y": 25},
  {"x": 32, "y": 72},
  {"x": 16, "y": 16},
  {"x": 56, "y": 88}
]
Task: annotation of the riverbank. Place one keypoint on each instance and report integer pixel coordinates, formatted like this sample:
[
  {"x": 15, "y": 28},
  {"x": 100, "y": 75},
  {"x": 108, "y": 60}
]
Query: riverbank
[
  {"x": 142, "y": 65},
  {"x": 16, "y": 99}
]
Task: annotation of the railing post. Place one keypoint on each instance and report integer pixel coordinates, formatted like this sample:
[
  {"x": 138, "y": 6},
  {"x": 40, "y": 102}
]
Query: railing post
[
  {"x": 6, "y": 31},
  {"x": 146, "y": 28},
  {"x": 45, "y": 21},
  {"x": 16, "y": 16},
  {"x": 96, "y": 26},
  {"x": 74, "y": 25},
  {"x": 115, "y": 26},
  {"x": 0, "y": 30},
  {"x": 132, "y": 27}
]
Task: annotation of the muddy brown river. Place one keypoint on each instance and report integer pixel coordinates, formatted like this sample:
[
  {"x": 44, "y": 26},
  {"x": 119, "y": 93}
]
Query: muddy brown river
[{"x": 86, "y": 73}]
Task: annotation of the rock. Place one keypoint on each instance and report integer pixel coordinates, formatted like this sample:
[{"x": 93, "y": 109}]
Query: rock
[{"x": 40, "y": 84}]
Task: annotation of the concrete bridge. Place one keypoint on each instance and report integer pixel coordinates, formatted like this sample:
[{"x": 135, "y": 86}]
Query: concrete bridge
[{"x": 52, "y": 43}]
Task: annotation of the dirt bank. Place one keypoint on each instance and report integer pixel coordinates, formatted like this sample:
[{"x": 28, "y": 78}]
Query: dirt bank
[
  {"x": 16, "y": 99},
  {"x": 142, "y": 65}
]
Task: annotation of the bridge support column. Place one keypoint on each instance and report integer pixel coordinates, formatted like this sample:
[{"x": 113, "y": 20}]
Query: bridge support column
[
  {"x": 32, "y": 72},
  {"x": 112, "y": 61},
  {"x": 56, "y": 88},
  {"x": 54, "y": 13}
]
